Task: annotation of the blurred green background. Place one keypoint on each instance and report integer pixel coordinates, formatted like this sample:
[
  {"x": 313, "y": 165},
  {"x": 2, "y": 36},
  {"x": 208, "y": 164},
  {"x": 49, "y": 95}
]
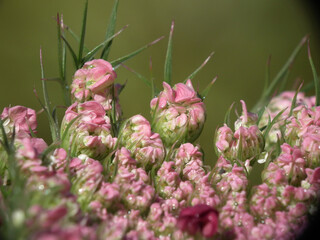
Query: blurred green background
[{"x": 241, "y": 33}]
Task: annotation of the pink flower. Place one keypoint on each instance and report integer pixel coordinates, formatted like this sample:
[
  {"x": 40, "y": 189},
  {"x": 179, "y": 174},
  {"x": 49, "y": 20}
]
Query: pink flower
[
  {"x": 90, "y": 134},
  {"x": 94, "y": 81},
  {"x": 145, "y": 146},
  {"x": 24, "y": 120},
  {"x": 94, "y": 76},
  {"x": 243, "y": 144},
  {"x": 200, "y": 218},
  {"x": 179, "y": 114}
]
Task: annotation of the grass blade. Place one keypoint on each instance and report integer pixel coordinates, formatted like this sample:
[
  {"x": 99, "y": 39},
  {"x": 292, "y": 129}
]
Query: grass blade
[
  {"x": 192, "y": 75},
  {"x": 83, "y": 32},
  {"x": 110, "y": 30},
  {"x": 116, "y": 63},
  {"x": 168, "y": 61},
  {"x": 205, "y": 92},
  {"x": 315, "y": 76}
]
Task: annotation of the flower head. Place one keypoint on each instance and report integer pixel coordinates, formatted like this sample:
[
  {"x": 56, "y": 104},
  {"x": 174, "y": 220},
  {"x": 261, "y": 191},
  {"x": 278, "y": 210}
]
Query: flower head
[
  {"x": 179, "y": 114},
  {"x": 95, "y": 81},
  {"x": 145, "y": 146},
  {"x": 200, "y": 218},
  {"x": 23, "y": 119},
  {"x": 90, "y": 134}
]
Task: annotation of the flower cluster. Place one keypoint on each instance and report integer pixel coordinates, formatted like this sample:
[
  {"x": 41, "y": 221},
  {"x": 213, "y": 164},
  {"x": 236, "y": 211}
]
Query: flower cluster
[
  {"x": 109, "y": 178},
  {"x": 104, "y": 184}
]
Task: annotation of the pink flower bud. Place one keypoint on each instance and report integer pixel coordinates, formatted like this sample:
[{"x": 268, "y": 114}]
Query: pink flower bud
[
  {"x": 94, "y": 81},
  {"x": 22, "y": 118},
  {"x": 145, "y": 146},
  {"x": 90, "y": 134},
  {"x": 179, "y": 114},
  {"x": 245, "y": 143}
]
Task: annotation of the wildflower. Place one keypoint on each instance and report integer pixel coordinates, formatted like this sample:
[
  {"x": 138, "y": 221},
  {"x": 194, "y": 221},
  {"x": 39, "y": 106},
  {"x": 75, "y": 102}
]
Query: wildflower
[
  {"x": 145, "y": 146},
  {"x": 179, "y": 114},
  {"x": 90, "y": 134},
  {"x": 23, "y": 119},
  {"x": 95, "y": 81},
  {"x": 200, "y": 218},
  {"x": 245, "y": 143}
]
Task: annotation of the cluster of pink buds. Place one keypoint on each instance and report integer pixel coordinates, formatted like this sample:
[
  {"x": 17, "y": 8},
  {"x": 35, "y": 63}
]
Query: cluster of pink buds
[
  {"x": 108, "y": 178},
  {"x": 95, "y": 81},
  {"x": 90, "y": 133},
  {"x": 245, "y": 143},
  {"x": 145, "y": 146}
]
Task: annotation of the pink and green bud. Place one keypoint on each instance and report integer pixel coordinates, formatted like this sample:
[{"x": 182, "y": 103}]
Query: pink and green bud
[
  {"x": 21, "y": 118},
  {"x": 107, "y": 197},
  {"x": 167, "y": 180},
  {"x": 247, "y": 119},
  {"x": 245, "y": 143},
  {"x": 86, "y": 177},
  {"x": 95, "y": 81},
  {"x": 187, "y": 153},
  {"x": 28, "y": 155},
  {"x": 178, "y": 113},
  {"x": 145, "y": 146},
  {"x": 135, "y": 191},
  {"x": 90, "y": 134}
]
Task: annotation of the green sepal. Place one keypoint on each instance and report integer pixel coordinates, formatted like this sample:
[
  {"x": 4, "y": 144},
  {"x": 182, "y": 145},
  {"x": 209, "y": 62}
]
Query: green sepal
[
  {"x": 227, "y": 116},
  {"x": 205, "y": 92},
  {"x": 192, "y": 75}
]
